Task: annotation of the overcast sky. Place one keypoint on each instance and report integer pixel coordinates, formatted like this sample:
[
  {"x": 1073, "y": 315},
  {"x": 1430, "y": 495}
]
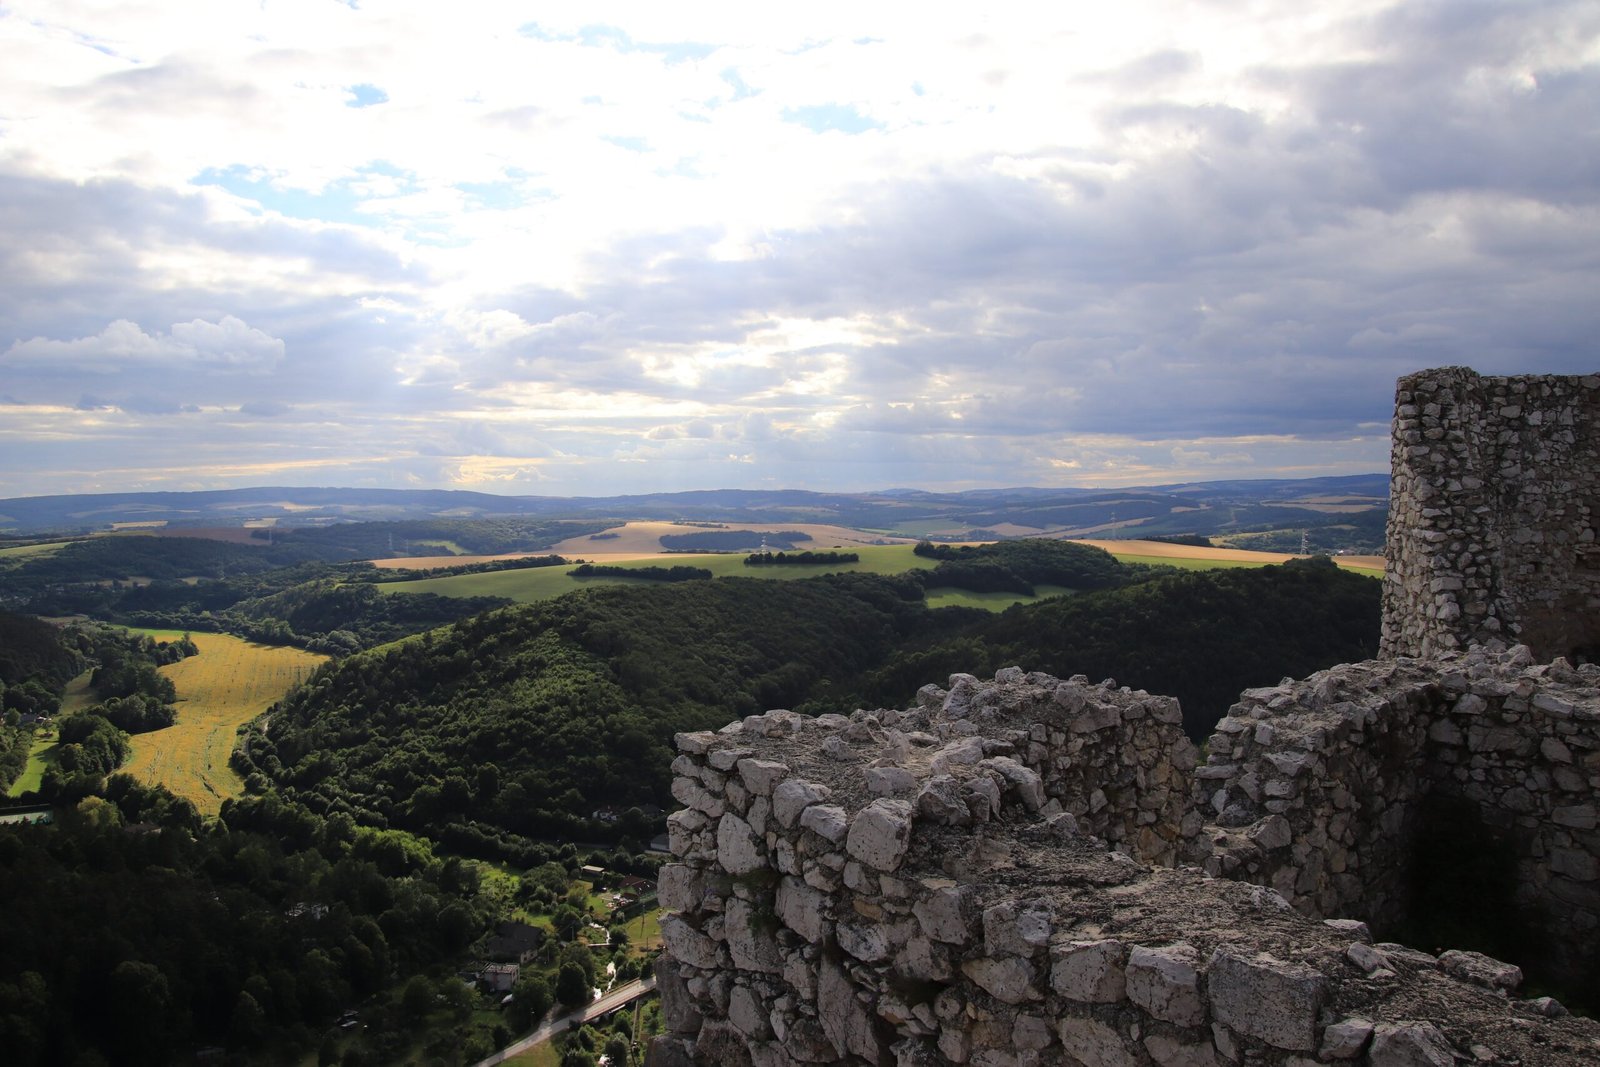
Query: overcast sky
[{"x": 598, "y": 248}]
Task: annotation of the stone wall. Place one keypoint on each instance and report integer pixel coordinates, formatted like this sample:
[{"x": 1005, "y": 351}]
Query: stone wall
[
  {"x": 1316, "y": 787},
  {"x": 940, "y": 885},
  {"x": 1494, "y": 500}
]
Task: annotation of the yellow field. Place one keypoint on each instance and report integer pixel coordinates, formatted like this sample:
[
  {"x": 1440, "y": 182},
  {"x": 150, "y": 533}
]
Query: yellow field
[{"x": 229, "y": 683}]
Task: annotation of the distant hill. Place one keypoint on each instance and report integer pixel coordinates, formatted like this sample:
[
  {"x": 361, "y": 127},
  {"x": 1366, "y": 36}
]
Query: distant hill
[{"x": 1357, "y": 503}]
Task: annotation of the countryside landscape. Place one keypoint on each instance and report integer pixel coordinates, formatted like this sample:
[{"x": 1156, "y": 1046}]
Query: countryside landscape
[
  {"x": 728, "y": 535},
  {"x": 418, "y": 739}
]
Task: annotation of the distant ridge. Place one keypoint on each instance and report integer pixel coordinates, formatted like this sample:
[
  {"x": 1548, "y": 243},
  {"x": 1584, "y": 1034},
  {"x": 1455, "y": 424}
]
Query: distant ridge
[{"x": 1188, "y": 507}]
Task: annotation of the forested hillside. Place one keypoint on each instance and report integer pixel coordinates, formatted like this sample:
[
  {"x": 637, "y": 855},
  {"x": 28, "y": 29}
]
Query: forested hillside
[{"x": 520, "y": 723}]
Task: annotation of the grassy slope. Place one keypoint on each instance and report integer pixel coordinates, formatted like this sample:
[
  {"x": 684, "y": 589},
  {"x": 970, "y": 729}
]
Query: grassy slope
[{"x": 229, "y": 683}]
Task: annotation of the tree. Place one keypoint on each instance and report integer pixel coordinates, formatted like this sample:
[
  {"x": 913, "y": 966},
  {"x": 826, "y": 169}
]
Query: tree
[
  {"x": 530, "y": 999},
  {"x": 572, "y": 986}
]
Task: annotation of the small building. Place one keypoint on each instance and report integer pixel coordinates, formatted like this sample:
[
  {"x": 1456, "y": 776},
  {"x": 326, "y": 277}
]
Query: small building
[
  {"x": 500, "y": 977},
  {"x": 514, "y": 942},
  {"x": 595, "y": 876}
]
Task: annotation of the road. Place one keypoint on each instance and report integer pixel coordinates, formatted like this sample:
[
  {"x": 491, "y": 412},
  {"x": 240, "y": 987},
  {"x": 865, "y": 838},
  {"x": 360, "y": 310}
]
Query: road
[{"x": 606, "y": 1004}]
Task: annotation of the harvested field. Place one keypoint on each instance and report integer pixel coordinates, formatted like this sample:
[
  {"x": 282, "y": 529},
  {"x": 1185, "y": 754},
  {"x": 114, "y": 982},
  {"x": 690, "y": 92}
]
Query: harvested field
[
  {"x": 229, "y": 683},
  {"x": 1162, "y": 552},
  {"x": 642, "y": 540}
]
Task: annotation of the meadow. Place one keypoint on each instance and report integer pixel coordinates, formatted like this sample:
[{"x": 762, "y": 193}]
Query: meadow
[
  {"x": 229, "y": 683},
  {"x": 544, "y": 583}
]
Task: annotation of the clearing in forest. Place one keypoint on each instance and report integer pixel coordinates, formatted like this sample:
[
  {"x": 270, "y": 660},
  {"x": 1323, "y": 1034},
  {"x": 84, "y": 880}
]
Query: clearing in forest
[{"x": 229, "y": 683}]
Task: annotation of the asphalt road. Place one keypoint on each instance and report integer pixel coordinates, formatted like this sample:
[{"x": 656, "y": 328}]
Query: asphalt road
[{"x": 608, "y": 1003}]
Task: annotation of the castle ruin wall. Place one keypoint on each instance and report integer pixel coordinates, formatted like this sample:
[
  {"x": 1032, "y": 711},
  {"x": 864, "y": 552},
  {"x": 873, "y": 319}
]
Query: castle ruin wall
[
  {"x": 1494, "y": 503},
  {"x": 919, "y": 887},
  {"x": 1317, "y": 787}
]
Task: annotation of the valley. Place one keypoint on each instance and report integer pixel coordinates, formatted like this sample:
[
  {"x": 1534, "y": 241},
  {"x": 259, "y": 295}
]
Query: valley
[{"x": 319, "y": 719}]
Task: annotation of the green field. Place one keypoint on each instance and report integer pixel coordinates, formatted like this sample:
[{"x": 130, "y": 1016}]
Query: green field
[
  {"x": 229, "y": 683},
  {"x": 533, "y": 584},
  {"x": 530, "y": 585},
  {"x": 24, "y": 551},
  {"x": 40, "y": 758}
]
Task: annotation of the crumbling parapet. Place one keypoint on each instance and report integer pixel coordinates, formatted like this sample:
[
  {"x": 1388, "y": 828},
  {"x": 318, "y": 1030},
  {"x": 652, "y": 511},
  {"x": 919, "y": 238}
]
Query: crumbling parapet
[
  {"x": 1314, "y": 787},
  {"x": 1493, "y": 507},
  {"x": 907, "y": 888}
]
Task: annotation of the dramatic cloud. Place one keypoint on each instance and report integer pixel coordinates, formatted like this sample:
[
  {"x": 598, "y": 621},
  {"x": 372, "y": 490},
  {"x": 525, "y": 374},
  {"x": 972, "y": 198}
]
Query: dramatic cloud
[{"x": 634, "y": 247}]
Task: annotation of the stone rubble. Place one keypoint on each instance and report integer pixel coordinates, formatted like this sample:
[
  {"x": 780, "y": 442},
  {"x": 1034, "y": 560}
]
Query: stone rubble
[{"x": 1013, "y": 921}]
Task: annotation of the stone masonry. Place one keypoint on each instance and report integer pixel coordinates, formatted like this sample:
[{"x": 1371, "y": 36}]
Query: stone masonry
[
  {"x": 1314, "y": 787},
  {"x": 1031, "y": 871},
  {"x": 907, "y": 888},
  {"x": 1494, "y": 502}
]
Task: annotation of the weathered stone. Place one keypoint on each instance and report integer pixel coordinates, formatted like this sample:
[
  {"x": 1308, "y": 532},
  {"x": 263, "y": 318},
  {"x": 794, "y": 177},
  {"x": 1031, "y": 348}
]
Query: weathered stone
[
  {"x": 1007, "y": 978},
  {"x": 1481, "y": 970},
  {"x": 760, "y": 776},
  {"x": 1166, "y": 983},
  {"x": 891, "y": 781},
  {"x": 880, "y": 833},
  {"x": 1008, "y": 929},
  {"x": 686, "y": 944},
  {"x": 828, "y": 820},
  {"x": 739, "y": 850},
  {"x": 1090, "y": 972},
  {"x": 746, "y": 1012},
  {"x": 1170, "y": 1052},
  {"x": 868, "y": 942},
  {"x": 943, "y": 915},
  {"x": 792, "y": 796},
  {"x": 803, "y": 909},
  {"x": 1092, "y": 1043},
  {"x": 1411, "y": 1044},
  {"x": 847, "y": 1023},
  {"x": 1345, "y": 1040},
  {"x": 1265, "y": 998},
  {"x": 750, "y": 937}
]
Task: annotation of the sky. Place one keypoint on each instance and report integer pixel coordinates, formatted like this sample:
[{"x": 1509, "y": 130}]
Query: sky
[{"x": 597, "y": 248}]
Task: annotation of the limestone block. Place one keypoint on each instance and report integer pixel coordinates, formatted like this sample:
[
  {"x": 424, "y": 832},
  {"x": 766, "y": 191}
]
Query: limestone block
[
  {"x": 1345, "y": 1040},
  {"x": 1005, "y": 978},
  {"x": 1481, "y": 970},
  {"x": 802, "y": 909},
  {"x": 1169, "y": 1052},
  {"x": 678, "y": 887},
  {"x": 942, "y": 915},
  {"x": 750, "y": 940},
  {"x": 1090, "y": 972},
  {"x": 960, "y": 753},
  {"x": 868, "y": 942},
  {"x": 1026, "y": 782},
  {"x": 1010, "y": 930},
  {"x": 1409, "y": 1044},
  {"x": 828, "y": 820},
  {"x": 677, "y": 1007},
  {"x": 739, "y": 850},
  {"x": 880, "y": 834},
  {"x": 792, "y": 796},
  {"x": 748, "y": 1014},
  {"x": 891, "y": 781},
  {"x": 923, "y": 961},
  {"x": 1091, "y": 1043},
  {"x": 760, "y": 776},
  {"x": 845, "y": 1021},
  {"x": 1032, "y": 1033},
  {"x": 686, "y": 944},
  {"x": 940, "y": 801},
  {"x": 694, "y": 744},
  {"x": 1266, "y": 998},
  {"x": 1165, "y": 982}
]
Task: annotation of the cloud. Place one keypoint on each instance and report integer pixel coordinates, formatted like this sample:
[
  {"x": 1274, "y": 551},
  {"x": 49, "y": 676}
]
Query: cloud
[
  {"x": 123, "y": 344},
  {"x": 842, "y": 248}
]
